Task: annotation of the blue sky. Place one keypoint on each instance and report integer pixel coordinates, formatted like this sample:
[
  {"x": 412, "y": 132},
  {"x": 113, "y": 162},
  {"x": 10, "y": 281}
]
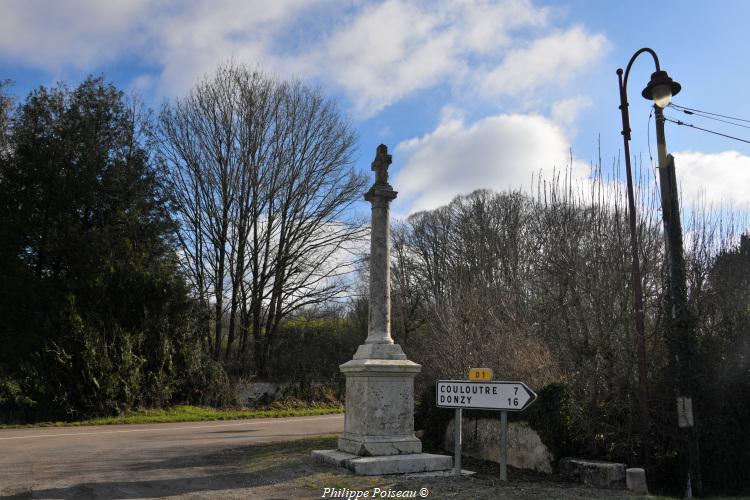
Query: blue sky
[{"x": 466, "y": 94}]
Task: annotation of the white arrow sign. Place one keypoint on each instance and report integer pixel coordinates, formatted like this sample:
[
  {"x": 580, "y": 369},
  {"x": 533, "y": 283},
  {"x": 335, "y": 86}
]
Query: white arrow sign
[{"x": 509, "y": 396}]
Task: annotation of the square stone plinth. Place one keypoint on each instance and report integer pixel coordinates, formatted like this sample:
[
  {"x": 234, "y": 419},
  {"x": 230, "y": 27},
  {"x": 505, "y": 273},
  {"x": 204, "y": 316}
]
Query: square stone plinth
[
  {"x": 377, "y": 466},
  {"x": 379, "y": 417}
]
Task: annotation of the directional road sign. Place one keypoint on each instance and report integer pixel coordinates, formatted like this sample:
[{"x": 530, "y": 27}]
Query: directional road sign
[{"x": 473, "y": 394}]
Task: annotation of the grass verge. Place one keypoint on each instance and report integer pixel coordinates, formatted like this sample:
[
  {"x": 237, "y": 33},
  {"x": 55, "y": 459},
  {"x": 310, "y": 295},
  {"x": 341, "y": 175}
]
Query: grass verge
[{"x": 185, "y": 413}]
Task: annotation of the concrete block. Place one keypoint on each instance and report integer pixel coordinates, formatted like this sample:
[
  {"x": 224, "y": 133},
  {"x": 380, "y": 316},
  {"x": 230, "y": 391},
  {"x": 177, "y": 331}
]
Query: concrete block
[
  {"x": 593, "y": 473},
  {"x": 635, "y": 479}
]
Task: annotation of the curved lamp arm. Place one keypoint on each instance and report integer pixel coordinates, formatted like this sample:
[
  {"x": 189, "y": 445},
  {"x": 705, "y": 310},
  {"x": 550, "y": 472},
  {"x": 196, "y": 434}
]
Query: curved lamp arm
[
  {"x": 624, "y": 90},
  {"x": 632, "y": 60}
]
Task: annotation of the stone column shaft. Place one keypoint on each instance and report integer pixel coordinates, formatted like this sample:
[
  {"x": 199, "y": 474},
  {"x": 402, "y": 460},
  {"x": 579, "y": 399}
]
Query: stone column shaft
[{"x": 379, "y": 327}]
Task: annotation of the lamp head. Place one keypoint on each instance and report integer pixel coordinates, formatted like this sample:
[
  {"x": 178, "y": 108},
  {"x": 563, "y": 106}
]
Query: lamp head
[{"x": 661, "y": 88}]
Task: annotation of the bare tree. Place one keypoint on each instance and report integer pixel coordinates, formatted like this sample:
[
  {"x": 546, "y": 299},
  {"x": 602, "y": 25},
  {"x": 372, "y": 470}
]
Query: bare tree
[
  {"x": 535, "y": 287},
  {"x": 200, "y": 136},
  {"x": 407, "y": 295},
  {"x": 7, "y": 102},
  {"x": 538, "y": 287},
  {"x": 262, "y": 178}
]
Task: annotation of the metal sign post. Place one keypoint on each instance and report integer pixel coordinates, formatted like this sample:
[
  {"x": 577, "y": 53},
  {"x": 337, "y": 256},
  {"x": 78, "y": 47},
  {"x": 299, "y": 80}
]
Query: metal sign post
[
  {"x": 503, "y": 445},
  {"x": 457, "y": 443}
]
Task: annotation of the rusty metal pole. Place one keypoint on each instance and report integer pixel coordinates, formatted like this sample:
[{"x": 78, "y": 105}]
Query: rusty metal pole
[{"x": 638, "y": 313}]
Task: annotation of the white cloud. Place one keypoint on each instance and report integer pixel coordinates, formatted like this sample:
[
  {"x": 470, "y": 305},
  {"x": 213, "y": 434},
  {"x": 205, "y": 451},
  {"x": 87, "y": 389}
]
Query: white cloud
[
  {"x": 486, "y": 27},
  {"x": 190, "y": 40},
  {"x": 554, "y": 58},
  {"x": 498, "y": 152},
  {"x": 78, "y": 33},
  {"x": 504, "y": 151},
  {"x": 386, "y": 51},
  {"x": 181, "y": 40},
  {"x": 565, "y": 112},
  {"x": 389, "y": 50},
  {"x": 721, "y": 179},
  {"x": 377, "y": 53}
]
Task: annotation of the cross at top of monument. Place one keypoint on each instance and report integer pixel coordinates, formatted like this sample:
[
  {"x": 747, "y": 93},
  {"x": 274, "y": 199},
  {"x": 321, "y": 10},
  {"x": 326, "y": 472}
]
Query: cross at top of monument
[
  {"x": 381, "y": 192},
  {"x": 381, "y": 163}
]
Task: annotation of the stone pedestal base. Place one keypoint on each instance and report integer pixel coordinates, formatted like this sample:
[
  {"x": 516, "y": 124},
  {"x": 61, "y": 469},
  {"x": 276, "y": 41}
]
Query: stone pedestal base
[
  {"x": 379, "y": 416},
  {"x": 376, "y": 466},
  {"x": 378, "y": 433}
]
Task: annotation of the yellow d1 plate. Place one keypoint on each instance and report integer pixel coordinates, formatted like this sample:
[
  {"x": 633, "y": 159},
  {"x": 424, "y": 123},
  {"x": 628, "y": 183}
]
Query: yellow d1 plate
[{"x": 480, "y": 374}]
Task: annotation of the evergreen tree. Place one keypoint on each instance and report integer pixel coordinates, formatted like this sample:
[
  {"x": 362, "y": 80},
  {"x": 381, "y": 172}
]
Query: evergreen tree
[{"x": 92, "y": 309}]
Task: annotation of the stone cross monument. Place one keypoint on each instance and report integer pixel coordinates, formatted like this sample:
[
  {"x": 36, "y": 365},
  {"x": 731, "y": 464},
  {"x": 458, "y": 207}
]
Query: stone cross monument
[
  {"x": 380, "y": 196},
  {"x": 380, "y": 380},
  {"x": 378, "y": 435}
]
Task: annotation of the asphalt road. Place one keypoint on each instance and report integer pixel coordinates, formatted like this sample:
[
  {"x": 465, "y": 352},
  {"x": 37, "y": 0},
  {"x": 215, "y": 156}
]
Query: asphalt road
[{"x": 137, "y": 461}]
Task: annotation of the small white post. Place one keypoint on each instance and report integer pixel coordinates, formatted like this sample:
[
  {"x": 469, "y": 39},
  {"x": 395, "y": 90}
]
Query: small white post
[
  {"x": 457, "y": 443},
  {"x": 503, "y": 445}
]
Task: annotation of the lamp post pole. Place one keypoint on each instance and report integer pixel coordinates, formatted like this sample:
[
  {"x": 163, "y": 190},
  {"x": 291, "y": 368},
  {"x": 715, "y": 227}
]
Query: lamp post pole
[{"x": 680, "y": 339}]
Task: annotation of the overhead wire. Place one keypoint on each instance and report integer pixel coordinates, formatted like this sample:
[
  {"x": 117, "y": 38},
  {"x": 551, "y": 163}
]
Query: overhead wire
[
  {"x": 680, "y": 122},
  {"x": 706, "y": 115},
  {"x": 692, "y": 111}
]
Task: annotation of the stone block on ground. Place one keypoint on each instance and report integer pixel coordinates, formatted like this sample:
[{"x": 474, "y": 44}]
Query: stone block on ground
[
  {"x": 252, "y": 393},
  {"x": 481, "y": 439},
  {"x": 636, "y": 480},
  {"x": 593, "y": 472}
]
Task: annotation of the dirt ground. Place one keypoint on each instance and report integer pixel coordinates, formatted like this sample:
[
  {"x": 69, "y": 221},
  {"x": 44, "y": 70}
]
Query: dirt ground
[
  {"x": 312, "y": 479},
  {"x": 286, "y": 471}
]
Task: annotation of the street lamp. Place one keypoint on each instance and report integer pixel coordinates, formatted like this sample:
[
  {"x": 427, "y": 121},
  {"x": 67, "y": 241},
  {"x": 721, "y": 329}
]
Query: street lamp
[{"x": 660, "y": 90}]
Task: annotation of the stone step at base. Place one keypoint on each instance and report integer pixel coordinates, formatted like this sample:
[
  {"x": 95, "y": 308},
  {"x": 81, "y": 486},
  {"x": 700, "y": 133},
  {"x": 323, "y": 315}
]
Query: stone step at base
[{"x": 390, "y": 464}]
